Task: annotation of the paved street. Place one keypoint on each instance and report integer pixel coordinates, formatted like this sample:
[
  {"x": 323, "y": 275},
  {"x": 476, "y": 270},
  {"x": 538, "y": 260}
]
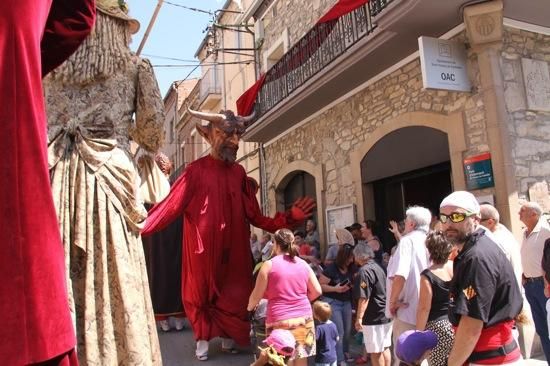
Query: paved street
[{"x": 178, "y": 349}]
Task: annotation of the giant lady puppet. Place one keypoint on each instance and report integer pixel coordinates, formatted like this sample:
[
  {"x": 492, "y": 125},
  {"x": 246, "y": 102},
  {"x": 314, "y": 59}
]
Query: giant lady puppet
[
  {"x": 218, "y": 203},
  {"x": 91, "y": 99}
]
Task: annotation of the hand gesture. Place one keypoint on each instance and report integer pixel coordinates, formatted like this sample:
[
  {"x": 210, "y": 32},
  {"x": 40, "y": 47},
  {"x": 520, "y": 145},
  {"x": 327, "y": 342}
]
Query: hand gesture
[
  {"x": 394, "y": 229},
  {"x": 302, "y": 208}
]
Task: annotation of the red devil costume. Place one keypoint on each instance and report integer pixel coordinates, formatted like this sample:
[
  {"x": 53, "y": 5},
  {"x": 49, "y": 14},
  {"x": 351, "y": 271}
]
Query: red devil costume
[
  {"x": 35, "y": 323},
  {"x": 218, "y": 202}
]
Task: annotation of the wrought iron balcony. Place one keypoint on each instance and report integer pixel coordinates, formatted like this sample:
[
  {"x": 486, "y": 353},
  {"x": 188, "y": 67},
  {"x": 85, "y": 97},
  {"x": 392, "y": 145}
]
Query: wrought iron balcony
[{"x": 323, "y": 44}]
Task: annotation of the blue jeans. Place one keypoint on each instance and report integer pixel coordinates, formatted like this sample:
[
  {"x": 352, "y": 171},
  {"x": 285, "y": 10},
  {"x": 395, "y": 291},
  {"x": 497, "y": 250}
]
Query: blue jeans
[
  {"x": 534, "y": 292},
  {"x": 341, "y": 316}
]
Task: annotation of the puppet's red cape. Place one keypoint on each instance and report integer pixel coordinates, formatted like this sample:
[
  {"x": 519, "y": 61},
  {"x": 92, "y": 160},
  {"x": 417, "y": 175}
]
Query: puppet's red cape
[
  {"x": 218, "y": 202},
  {"x": 35, "y": 322}
]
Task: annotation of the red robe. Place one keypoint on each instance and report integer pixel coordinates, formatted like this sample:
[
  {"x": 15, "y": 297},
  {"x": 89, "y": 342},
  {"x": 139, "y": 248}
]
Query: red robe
[
  {"x": 219, "y": 203},
  {"x": 35, "y": 322}
]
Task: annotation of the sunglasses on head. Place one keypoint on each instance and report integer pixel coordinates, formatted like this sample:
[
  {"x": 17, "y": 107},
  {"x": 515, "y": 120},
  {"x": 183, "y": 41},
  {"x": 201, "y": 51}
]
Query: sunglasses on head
[{"x": 455, "y": 217}]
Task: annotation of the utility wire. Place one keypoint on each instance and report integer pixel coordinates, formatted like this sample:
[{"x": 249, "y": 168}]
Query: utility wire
[
  {"x": 189, "y": 8},
  {"x": 168, "y": 58},
  {"x": 210, "y": 64}
]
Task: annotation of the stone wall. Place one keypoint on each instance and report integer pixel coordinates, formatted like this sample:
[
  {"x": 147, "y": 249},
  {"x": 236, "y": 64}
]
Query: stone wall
[
  {"x": 529, "y": 125},
  {"x": 330, "y": 137}
]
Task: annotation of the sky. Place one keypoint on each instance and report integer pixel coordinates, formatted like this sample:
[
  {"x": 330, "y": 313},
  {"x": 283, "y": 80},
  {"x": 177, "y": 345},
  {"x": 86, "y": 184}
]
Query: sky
[{"x": 177, "y": 33}]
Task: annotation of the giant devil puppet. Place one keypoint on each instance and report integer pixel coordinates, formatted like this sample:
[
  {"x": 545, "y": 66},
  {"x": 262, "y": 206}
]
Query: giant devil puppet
[{"x": 218, "y": 202}]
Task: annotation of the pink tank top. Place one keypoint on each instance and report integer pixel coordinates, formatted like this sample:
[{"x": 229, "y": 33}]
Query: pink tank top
[{"x": 286, "y": 291}]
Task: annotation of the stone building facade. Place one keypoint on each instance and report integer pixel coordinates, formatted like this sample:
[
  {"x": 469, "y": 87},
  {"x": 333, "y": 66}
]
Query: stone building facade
[{"x": 506, "y": 114}]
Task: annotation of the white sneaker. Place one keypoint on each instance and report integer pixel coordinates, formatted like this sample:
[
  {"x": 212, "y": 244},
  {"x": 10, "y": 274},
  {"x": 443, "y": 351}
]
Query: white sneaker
[
  {"x": 179, "y": 323},
  {"x": 202, "y": 350},
  {"x": 164, "y": 325}
]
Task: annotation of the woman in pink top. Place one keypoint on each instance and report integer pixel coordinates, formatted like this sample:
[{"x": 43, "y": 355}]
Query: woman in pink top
[{"x": 289, "y": 285}]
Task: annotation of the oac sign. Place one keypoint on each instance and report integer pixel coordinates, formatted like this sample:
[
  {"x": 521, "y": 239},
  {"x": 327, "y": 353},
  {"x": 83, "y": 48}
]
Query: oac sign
[{"x": 443, "y": 64}]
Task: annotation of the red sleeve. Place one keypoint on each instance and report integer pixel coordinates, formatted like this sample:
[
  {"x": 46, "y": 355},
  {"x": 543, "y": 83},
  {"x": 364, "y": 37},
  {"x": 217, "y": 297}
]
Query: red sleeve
[
  {"x": 254, "y": 214},
  {"x": 163, "y": 213},
  {"x": 69, "y": 23}
]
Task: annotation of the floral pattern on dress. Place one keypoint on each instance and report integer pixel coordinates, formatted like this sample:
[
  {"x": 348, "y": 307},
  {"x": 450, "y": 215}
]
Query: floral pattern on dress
[{"x": 95, "y": 189}]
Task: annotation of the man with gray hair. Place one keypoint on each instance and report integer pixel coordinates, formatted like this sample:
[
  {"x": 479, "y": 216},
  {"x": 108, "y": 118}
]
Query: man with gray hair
[
  {"x": 535, "y": 234},
  {"x": 490, "y": 219},
  {"x": 484, "y": 296},
  {"x": 369, "y": 290},
  {"x": 411, "y": 258}
]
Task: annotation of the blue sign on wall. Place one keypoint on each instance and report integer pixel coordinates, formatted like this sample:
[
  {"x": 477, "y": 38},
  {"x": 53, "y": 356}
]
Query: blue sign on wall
[{"x": 479, "y": 172}]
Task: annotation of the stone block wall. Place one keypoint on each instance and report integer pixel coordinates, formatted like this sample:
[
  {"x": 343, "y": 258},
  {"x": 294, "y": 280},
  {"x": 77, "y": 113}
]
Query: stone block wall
[
  {"x": 529, "y": 125},
  {"x": 330, "y": 137}
]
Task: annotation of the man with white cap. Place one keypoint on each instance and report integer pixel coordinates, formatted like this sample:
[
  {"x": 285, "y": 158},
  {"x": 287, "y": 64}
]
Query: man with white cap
[{"x": 484, "y": 295}]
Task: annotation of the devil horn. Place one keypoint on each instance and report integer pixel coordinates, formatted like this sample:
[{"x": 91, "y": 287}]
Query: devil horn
[
  {"x": 248, "y": 119},
  {"x": 211, "y": 117}
]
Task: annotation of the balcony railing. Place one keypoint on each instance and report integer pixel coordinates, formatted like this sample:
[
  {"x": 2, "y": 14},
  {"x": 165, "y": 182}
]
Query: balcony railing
[
  {"x": 323, "y": 44},
  {"x": 210, "y": 83}
]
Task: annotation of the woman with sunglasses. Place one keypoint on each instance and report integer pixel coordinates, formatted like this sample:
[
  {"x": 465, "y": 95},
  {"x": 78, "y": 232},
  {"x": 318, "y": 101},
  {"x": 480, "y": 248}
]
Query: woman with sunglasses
[{"x": 336, "y": 284}]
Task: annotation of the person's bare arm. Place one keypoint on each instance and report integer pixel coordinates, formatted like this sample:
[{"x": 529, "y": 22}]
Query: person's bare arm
[
  {"x": 394, "y": 229},
  {"x": 261, "y": 285},
  {"x": 396, "y": 288},
  {"x": 362, "y": 304},
  {"x": 424, "y": 303},
  {"x": 466, "y": 337},
  {"x": 313, "y": 286}
]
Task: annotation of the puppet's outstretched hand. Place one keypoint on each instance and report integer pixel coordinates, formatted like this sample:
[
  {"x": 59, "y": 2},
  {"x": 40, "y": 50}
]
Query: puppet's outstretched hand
[{"x": 302, "y": 209}]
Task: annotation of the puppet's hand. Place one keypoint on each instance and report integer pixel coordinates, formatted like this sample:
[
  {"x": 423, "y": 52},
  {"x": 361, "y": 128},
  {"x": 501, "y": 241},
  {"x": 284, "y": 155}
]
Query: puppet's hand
[{"x": 302, "y": 209}]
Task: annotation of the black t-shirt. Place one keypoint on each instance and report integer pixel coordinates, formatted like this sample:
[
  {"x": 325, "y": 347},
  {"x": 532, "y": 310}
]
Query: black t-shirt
[
  {"x": 337, "y": 277},
  {"x": 483, "y": 286},
  {"x": 370, "y": 284},
  {"x": 440, "y": 296}
]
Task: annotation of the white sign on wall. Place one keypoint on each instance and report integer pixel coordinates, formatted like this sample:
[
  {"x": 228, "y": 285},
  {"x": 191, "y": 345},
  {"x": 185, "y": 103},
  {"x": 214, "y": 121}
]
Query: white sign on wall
[
  {"x": 338, "y": 218},
  {"x": 443, "y": 64}
]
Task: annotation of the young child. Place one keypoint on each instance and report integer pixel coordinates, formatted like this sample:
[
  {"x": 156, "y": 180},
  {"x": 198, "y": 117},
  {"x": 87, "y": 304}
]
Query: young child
[
  {"x": 413, "y": 346},
  {"x": 280, "y": 344},
  {"x": 326, "y": 335}
]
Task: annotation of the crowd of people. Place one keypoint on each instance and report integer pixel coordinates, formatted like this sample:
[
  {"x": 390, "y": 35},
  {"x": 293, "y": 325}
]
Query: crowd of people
[{"x": 457, "y": 279}]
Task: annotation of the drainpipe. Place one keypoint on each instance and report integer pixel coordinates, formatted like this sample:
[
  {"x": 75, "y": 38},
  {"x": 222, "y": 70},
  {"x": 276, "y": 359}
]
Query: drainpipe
[
  {"x": 223, "y": 74},
  {"x": 261, "y": 148},
  {"x": 174, "y": 129}
]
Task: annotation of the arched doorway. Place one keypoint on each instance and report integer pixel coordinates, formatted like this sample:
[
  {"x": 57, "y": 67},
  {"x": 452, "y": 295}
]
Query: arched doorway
[
  {"x": 408, "y": 166},
  {"x": 296, "y": 185}
]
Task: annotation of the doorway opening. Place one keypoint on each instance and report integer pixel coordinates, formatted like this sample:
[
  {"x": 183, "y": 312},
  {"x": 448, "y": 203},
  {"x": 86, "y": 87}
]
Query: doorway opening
[
  {"x": 296, "y": 185},
  {"x": 409, "y": 166}
]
